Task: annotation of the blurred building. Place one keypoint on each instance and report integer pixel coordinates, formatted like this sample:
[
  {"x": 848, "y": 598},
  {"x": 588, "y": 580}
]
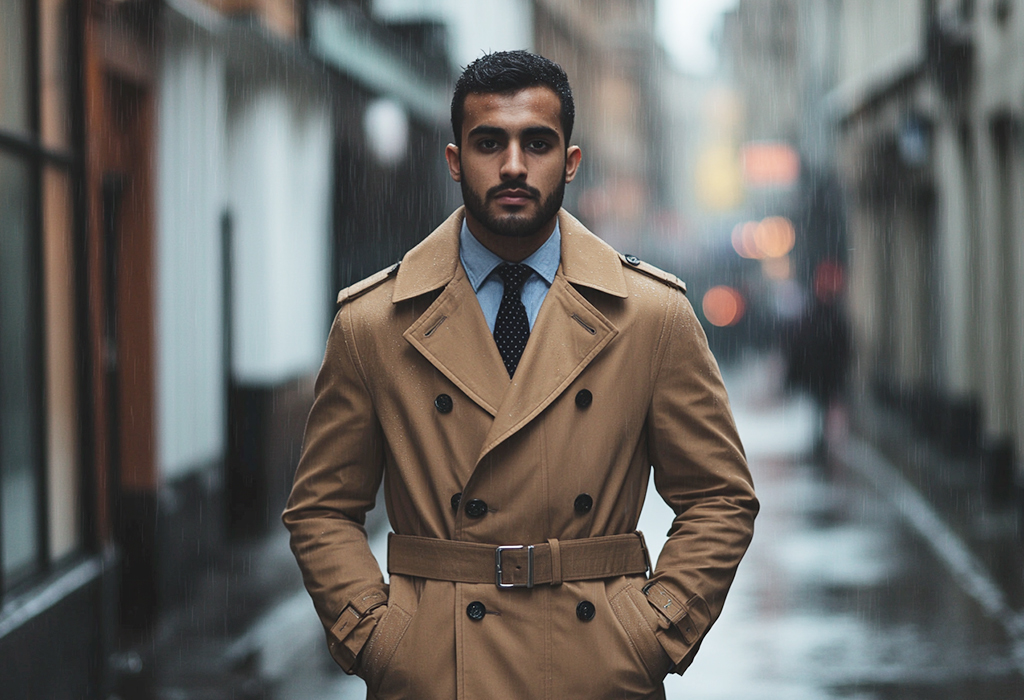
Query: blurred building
[
  {"x": 184, "y": 185},
  {"x": 472, "y": 27},
  {"x": 608, "y": 49},
  {"x": 930, "y": 109}
]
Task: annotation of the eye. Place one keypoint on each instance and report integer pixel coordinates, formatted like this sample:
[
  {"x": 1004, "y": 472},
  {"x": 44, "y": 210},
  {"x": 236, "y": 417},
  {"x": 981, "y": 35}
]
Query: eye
[
  {"x": 487, "y": 144},
  {"x": 538, "y": 145}
]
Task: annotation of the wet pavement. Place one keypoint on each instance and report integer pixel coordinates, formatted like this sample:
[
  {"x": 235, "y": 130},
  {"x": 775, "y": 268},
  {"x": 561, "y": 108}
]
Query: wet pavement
[
  {"x": 853, "y": 588},
  {"x": 841, "y": 595}
]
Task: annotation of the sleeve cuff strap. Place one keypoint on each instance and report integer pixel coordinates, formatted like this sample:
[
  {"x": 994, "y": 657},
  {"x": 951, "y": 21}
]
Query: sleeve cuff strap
[
  {"x": 691, "y": 619},
  {"x": 344, "y": 642}
]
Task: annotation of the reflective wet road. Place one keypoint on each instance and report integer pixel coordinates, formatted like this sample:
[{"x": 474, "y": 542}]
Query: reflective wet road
[{"x": 839, "y": 596}]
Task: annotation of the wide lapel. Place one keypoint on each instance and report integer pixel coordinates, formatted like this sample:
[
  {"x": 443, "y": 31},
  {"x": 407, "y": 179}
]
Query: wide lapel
[
  {"x": 568, "y": 334},
  {"x": 452, "y": 334}
]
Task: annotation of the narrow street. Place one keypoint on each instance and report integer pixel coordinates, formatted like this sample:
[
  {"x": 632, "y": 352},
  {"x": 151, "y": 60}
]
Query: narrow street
[{"x": 843, "y": 594}]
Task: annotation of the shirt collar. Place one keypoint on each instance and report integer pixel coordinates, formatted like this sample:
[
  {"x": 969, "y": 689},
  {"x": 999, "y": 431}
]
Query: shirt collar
[{"x": 480, "y": 262}]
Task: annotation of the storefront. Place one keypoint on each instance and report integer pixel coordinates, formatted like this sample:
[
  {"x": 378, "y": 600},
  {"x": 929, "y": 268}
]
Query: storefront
[{"x": 52, "y": 570}]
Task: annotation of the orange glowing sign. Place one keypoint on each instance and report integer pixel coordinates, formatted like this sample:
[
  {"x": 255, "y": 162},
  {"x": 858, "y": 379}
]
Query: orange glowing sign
[
  {"x": 723, "y": 306},
  {"x": 770, "y": 164}
]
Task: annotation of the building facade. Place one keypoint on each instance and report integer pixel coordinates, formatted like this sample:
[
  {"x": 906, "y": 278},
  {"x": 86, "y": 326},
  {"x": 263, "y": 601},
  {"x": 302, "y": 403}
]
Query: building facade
[
  {"x": 931, "y": 100},
  {"x": 184, "y": 185},
  {"x": 608, "y": 49}
]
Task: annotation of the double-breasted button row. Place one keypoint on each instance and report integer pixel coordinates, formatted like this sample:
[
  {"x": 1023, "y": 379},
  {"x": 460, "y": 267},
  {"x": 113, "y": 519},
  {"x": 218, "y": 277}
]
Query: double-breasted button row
[
  {"x": 477, "y": 508},
  {"x": 585, "y": 611},
  {"x": 444, "y": 404}
]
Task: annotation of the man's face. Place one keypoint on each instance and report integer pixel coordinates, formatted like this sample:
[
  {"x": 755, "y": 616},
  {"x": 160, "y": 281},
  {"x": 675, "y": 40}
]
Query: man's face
[{"x": 513, "y": 163}]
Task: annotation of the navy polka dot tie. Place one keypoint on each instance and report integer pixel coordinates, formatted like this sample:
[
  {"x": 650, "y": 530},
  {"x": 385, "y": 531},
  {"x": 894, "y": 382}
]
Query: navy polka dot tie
[{"x": 512, "y": 328}]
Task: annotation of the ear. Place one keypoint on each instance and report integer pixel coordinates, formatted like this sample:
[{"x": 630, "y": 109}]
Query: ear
[
  {"x": 573, "y": 155},
  {"x": 451, "y": 154}
]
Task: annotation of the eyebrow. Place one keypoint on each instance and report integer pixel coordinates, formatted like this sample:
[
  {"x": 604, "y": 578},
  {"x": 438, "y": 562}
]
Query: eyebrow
[
  {"x": 540, "y": 131},
  {"x": 487, "y": 130}
]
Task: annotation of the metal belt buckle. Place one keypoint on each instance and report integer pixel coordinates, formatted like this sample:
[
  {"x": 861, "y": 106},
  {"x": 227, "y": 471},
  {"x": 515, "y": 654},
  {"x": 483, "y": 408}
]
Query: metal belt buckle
[{"x": 529, "y": 566}]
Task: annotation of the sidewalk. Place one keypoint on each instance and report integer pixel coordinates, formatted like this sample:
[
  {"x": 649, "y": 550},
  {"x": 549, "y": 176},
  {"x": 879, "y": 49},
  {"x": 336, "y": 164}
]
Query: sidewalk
[
  {"x": 944, "y": 500},
  {"x": 955, "y": 489},
  {"x": 248, "y": 630}
]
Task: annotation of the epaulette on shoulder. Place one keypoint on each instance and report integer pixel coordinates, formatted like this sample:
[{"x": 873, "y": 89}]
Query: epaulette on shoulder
[
  {"x": 652, "y": 271},
  {"x": 363, "y": 286}
]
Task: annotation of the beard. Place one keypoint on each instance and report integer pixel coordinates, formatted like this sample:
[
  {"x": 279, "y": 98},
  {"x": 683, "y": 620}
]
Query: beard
[{"x": 513, "y": 225}]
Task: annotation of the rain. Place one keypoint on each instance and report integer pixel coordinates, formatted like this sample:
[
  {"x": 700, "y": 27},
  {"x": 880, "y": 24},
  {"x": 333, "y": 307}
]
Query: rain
[{"x": 186, "y": 186}]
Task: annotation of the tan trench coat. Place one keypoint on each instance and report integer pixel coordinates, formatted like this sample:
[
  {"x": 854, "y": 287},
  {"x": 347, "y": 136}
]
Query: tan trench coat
[{"x": 620, "y": 329}]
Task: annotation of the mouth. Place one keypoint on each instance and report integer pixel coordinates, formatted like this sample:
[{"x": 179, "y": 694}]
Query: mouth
[{"x": 514, "y": 197}]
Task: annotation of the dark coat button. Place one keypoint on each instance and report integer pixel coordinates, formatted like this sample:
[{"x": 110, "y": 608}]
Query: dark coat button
[
  {"x": 585, "y": 610},
  {"x": 476, "y": 508},
  {"x": 476, "y": 610},
  {"x": 584, "y": 398},
  {"x": 632, "y": 260},
  {"x": 456, "y": 498},
  {"x": 443, "y": 403},
  {"x": 583, "y": 503}
]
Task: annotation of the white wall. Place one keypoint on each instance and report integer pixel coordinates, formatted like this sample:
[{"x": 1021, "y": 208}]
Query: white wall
[
  {"x": 476, "y": 26},
  {"x": 881, "y": 36},
  {"x": 279, "y": 160},
  {"x": 958, "y": 345},
  {"x": 190, "y": 199}
]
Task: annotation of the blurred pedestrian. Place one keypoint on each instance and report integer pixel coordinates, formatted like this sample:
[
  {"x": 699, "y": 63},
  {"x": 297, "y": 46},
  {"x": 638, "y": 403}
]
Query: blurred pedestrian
[
  {"x": 512, "y": 381},
  {"x": 818, "y": 356}
]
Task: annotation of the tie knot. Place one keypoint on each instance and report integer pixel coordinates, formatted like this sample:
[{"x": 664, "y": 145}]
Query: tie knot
[{"x": 513, "y": 275}]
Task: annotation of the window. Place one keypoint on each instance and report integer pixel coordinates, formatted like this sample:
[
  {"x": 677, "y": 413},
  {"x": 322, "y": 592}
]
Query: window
[{"x": 40, "y": 471}]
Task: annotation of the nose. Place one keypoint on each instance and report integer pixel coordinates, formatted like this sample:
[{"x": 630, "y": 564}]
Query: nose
[{"x": 513, "y": 167}]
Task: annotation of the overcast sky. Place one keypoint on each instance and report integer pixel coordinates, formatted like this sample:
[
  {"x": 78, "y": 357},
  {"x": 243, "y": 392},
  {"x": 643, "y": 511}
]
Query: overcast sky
[{"x": 686, "y": 27}]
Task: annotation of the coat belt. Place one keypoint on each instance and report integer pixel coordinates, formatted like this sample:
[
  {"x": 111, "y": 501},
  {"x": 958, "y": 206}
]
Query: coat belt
[{"x": 515, "y": 566}]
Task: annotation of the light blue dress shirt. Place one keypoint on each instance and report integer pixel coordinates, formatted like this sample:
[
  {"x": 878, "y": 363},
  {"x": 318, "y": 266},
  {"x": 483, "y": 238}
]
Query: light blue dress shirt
[{"x": 480, "y": 265}]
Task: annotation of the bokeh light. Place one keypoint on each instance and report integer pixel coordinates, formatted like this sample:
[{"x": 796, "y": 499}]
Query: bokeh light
[
  {"x": 723, "y": 306},
  {"x": 773, "y": 237}
]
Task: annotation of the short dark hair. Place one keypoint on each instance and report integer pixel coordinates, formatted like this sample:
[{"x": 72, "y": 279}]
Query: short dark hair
[{"x": 512, "y": 71}]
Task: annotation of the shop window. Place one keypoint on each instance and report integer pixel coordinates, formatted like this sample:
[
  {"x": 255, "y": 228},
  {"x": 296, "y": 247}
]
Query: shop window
[
  {"x": 19, "y": 397},
  {"x": 40, "y": 446},
  {"x": 15, "y": 112}
]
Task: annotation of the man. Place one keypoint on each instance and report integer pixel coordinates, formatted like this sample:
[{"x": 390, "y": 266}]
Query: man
[{"x": 514, "y": 413}]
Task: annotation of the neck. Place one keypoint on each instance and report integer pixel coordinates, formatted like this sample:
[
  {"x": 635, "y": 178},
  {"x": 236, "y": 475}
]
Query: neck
[{"x": 510, "y": 248}]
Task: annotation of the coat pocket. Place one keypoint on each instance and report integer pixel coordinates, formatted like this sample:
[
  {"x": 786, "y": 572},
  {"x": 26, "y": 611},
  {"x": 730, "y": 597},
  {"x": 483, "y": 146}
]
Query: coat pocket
[
  {"x": 629, "y": 606},
  {"x": 382, "y": 644}
]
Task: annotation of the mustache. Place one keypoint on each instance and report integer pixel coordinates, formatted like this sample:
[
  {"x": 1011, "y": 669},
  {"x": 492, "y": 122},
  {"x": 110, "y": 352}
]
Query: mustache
[{"x": 498, "y": 189}]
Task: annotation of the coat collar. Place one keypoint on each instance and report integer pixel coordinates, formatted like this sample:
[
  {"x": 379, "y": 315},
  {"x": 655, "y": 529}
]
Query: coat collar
[
  {"x": 586, "y": 260},
  {"x": 453, "y": 335}
]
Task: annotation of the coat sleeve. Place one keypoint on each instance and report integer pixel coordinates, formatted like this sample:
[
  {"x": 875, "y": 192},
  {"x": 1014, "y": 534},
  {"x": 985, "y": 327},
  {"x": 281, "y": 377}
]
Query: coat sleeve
[
  {"x": 335, "y": 485},
  {"x": 701, "y": 471}
]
